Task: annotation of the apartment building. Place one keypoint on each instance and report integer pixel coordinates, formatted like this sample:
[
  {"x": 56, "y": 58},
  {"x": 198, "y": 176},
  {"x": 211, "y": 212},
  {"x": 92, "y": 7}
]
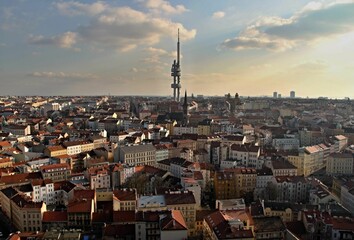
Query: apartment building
[
  {"x": 43, "y": 190},
  {"x": 99, "y": 177},
  {"x": 340, "y": 164},
  {"x": 137, "y": 154},
  {"x": 232, "y": 224},
  {"x": 80, "y": 211},
  {"x": 310, "y": 159},
  {"x": 292, "y": 188},
  {"x": 185, "y": 202},
  {"x": 26, "y": 215},
  {"x": 55, "y": 172},
  {"x": 124, "y": 199},
  {"x": 247, "y": 154}
]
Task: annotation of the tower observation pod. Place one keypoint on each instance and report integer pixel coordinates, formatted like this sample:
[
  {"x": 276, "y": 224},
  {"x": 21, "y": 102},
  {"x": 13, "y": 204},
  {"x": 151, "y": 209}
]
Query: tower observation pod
[{"x": 176, "y": 74}]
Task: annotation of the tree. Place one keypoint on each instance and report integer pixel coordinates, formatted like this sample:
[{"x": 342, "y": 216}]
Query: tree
[{"x": 271, "y": 191}]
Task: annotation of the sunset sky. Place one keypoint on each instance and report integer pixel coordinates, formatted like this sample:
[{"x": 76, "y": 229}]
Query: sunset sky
[{"x": 126, "y": 47}]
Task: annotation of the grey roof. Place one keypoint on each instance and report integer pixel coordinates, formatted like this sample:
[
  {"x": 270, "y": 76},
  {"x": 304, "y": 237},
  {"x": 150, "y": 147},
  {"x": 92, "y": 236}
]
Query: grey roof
[{"x": 137, "y": 148}]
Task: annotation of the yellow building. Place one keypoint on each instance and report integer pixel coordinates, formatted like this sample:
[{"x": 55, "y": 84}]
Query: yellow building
[
  {"x": 124, "y": 200},
  {"x": 185, "y": 202},
  {"x": 310, "y": 159},
  {"x": 25, "y": 214},
  {"x": 245, "y": 180},
  {"x": 53, "y": 151},
  {"x": 204, "y": 127},
  {"x": 5, "y": 200},
  {"x": 283, "y": 210},
  {"x": 5, "y": 162}
]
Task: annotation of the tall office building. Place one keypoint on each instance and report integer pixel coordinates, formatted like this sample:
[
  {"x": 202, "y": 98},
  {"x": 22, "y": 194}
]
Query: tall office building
[
  {"x": 275, "y": 94},
  {"x": 292, "y": 94}
]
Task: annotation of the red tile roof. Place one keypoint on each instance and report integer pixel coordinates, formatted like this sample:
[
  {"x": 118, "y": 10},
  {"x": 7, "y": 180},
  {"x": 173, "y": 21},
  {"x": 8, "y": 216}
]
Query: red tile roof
[
  {"x": 80, "y": 206},
  {"x": 125, "y": 194},
  {"x": 55, "y": 216}
]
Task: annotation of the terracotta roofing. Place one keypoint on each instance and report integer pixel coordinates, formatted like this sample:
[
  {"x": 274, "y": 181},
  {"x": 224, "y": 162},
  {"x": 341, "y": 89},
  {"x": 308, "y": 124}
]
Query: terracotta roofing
[
  {"x": 343, "y": 224},
  {"x": 83, "y": 205},
  {"x": 55, "y": 216},
  {"x": 55, "y": 167},
  {"x": 55, "y": 148},
  {"x": 84, "y": 193},
  {"x": 179, "y": 197},
  {"x": 102, "y": 217},
  {"x": 64, "y": 185},
  {"x": 148, "y": 216},
  {"x": 120, "y": 231},
  {"x": 124, "y": 216},
  {"x": 173, "y": 221},
  {"x": 242, "y": 170},
  {"x": 125, "y": 194},
  {"x": 5, "y": 144},
  {"x": 282, "y": 164},
  {"x": 19, "y": 178},
  {"x": 219, "y": 223},
  {"x": 244, "y": 148},
  {"x": 201, "y": 214}
]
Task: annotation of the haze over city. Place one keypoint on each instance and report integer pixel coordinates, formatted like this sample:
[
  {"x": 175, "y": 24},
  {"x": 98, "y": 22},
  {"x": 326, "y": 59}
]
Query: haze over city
[{"x": 127, "y": 47}]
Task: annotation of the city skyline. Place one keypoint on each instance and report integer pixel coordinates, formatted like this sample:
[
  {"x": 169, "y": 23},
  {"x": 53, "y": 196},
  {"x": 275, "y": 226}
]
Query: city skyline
[{"x": 126, "y": 47}]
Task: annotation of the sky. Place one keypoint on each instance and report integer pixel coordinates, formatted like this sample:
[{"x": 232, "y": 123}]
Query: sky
[{"x": 126, "y": 47}]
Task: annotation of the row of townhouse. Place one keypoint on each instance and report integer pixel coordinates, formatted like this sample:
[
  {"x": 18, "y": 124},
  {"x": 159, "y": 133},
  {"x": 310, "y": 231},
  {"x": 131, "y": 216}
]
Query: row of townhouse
[
  {"x": 25, "y": 205},
  {"x": 74, "y": 147}
]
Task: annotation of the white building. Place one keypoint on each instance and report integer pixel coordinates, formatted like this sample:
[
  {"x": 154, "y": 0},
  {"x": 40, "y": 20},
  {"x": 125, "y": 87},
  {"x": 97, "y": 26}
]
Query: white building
[
  {"x": 248, "y": 155},
  {"x": 43, "y": 190}
]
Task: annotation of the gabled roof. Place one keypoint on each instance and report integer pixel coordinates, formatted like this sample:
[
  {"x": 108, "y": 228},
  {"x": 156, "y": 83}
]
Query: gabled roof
[{"x": 173, "y": 221}]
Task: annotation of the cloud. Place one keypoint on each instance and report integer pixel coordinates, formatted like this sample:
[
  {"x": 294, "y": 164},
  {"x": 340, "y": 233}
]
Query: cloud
[
  {"x": 66, "y": 40},
  {"x": 314, "y": 22},
  {"x": 218, "y": 15},
  {"x": 162, "y": 6},
  {"x": 77, "y": 8},
  {"x": 120, "y": 28},
  {"x": 134, "y": 70},
  {"x": 314, "y": 66},
  {"x": 62, "y": 75}
]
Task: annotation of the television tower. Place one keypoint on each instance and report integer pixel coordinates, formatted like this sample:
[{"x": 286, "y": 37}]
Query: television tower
[{"x": 176, "y": 74}]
